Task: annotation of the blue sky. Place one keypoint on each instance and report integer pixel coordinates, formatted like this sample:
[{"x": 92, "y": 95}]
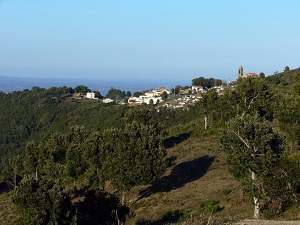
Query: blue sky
[{"x": 137, "y": 39}]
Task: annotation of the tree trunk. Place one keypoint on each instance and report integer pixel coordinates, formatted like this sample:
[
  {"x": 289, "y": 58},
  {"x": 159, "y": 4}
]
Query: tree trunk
[
  {"x": 255, "y": 199},
  {"x": 205, "y": 122},
  {"x": 242, "y": 196},
  {"x": 74, "y": 183},
  {"x": 117, "y": 216},
  {"x": 256, "y": 207},
  {"x": 123, "y": 197},
  {"x": 15, "y": 180},
  {"x": 36, "y": 175}
]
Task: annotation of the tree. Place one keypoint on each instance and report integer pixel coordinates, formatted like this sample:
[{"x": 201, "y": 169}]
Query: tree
[
  {"x": 42, "y": 202},
  {"x": 96, "y": 158},
  {"x": 128, "y": 94},
  {"x": 115, "y": 94},
  {"x": 208, "y": 104},
  {"x": 286, "y": 69},
  {"x": 262, "y": 75},
  {"x": 15, "y": 164},
  {"x": 97, "y": 94},
  {"x": 136, "y": 155},
  {"x": 75, "y": 165},
  {"x": 81, "y": 89},
  {"x": 286, "y": 111},
  {"x": 254, "y": 96},
  {"x": 33, "y": 158},
  {"x": 164, "y": 96},
  {"x": 253, "y": 151}
]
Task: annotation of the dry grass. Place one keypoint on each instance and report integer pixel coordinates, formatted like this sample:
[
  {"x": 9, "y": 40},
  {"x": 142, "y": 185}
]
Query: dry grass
[
  {"x": 199, "y": 174},
  {"x": 7, "y": 211}
]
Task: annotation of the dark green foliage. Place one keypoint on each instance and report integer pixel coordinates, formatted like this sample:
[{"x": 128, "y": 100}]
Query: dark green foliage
[
  {"x": 256, "y": 154},
  {"x": 128, "y": 94},
  {"x": 136, "y": 155},
  {"x": 42, "y": 202},
  {"x": 81, "y": 89},
  {"x": 115, "y": 94},
  {"x": 164, "y": 96},
  {"x": 97, "y": 94},
  {"x": 262, "y": 75},
  {"x": 207, "y": 82},
  {"x": 210, "y": 206}
]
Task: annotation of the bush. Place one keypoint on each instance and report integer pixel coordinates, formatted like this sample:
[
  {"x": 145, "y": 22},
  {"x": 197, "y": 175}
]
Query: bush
[{"x": 211, "y": 206}]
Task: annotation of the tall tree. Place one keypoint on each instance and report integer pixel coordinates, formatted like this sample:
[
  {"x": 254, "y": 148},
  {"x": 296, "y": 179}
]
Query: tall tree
[{"x": 253, "y": 148}]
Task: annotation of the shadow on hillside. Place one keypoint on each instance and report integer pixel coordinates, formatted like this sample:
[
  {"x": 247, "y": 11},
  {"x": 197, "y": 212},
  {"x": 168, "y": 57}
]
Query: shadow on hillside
[
  {"x": 100, "y": 207},
  {"x": 172, "y": 141},
  {"x": 181, "y": 174}
]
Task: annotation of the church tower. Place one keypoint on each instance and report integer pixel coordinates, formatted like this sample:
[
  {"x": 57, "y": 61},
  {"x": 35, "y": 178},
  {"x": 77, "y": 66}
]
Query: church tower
[{"x": 240, "y": 72}]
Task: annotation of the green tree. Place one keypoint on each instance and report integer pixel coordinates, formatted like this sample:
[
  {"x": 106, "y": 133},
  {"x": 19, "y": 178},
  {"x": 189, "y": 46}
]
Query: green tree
[
  {"x": 262, "y": 75},
  {"x": 254, "y": 96},
  {"x": 82, "y": 89},
  {"x": 136, "y": 155},
  {"x": 209, "y": 105},
  {"x": 33, "y": 158},
  {"x": 75, "y": 165},
  {"x": 115, "y": 94},
  {"x": 96, "y": 158},
  {"x": 15, "y": 164},
  {"x": 164, "y": 96},
  {"x": 42, "y": 202},
  {"x": 253, "y": 151},
  {"x": 286, "y": 69},
  {"x": 286, "y": 111},
  {"x": 97, "y": 94},
  {"x": 128, "y": 94}
]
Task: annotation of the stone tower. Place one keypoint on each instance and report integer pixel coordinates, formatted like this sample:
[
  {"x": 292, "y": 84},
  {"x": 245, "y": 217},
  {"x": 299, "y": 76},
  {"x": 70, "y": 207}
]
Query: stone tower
[{"x": 240, "y": 72}]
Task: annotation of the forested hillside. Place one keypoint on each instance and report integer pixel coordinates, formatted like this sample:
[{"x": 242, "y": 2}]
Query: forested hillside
[{"x": 71, "y": 161}]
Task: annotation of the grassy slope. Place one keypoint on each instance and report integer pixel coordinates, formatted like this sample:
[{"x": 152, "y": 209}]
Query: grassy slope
[
  {"x": 7, "y": 211},
  {"x": 200, "y": 173}
]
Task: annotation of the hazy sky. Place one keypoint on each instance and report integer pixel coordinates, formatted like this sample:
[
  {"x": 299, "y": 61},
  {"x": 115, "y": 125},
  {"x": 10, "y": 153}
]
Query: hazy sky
[{"x": 135, "y": 39}]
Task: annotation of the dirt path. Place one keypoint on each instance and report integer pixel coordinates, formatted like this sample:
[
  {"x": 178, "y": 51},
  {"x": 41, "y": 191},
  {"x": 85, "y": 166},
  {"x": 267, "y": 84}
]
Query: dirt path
[{"x": 267, "y": 222}]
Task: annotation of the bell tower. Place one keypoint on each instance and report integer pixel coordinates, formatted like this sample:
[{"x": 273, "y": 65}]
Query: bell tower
[{"x": 240, "y": 72}]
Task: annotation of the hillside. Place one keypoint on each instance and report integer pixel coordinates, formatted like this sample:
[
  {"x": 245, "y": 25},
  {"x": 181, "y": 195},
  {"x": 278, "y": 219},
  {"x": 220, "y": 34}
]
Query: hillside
[
  {"x": 199, "y": 173},
  {"x": 170, "y": 164}
]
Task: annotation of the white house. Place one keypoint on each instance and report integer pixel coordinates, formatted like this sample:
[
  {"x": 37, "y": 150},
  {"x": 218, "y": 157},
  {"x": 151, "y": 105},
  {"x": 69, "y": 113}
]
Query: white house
[
  {"x": 107, "y": 100},
  {"x": 90, "y": 95},
  {"x": 197, "y": 88},
  {"x": 134, "y": 100},
  {"x": 159, "y": 91}
]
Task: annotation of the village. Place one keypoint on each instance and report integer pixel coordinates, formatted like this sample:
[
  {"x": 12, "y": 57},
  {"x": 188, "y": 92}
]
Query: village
[{"x": 162, "y": 97}]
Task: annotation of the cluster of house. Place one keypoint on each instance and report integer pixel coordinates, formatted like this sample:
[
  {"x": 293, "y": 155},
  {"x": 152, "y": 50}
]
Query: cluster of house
[
  {"x": 150, "y": 97},
  {"x": 155, "y": 96}
]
